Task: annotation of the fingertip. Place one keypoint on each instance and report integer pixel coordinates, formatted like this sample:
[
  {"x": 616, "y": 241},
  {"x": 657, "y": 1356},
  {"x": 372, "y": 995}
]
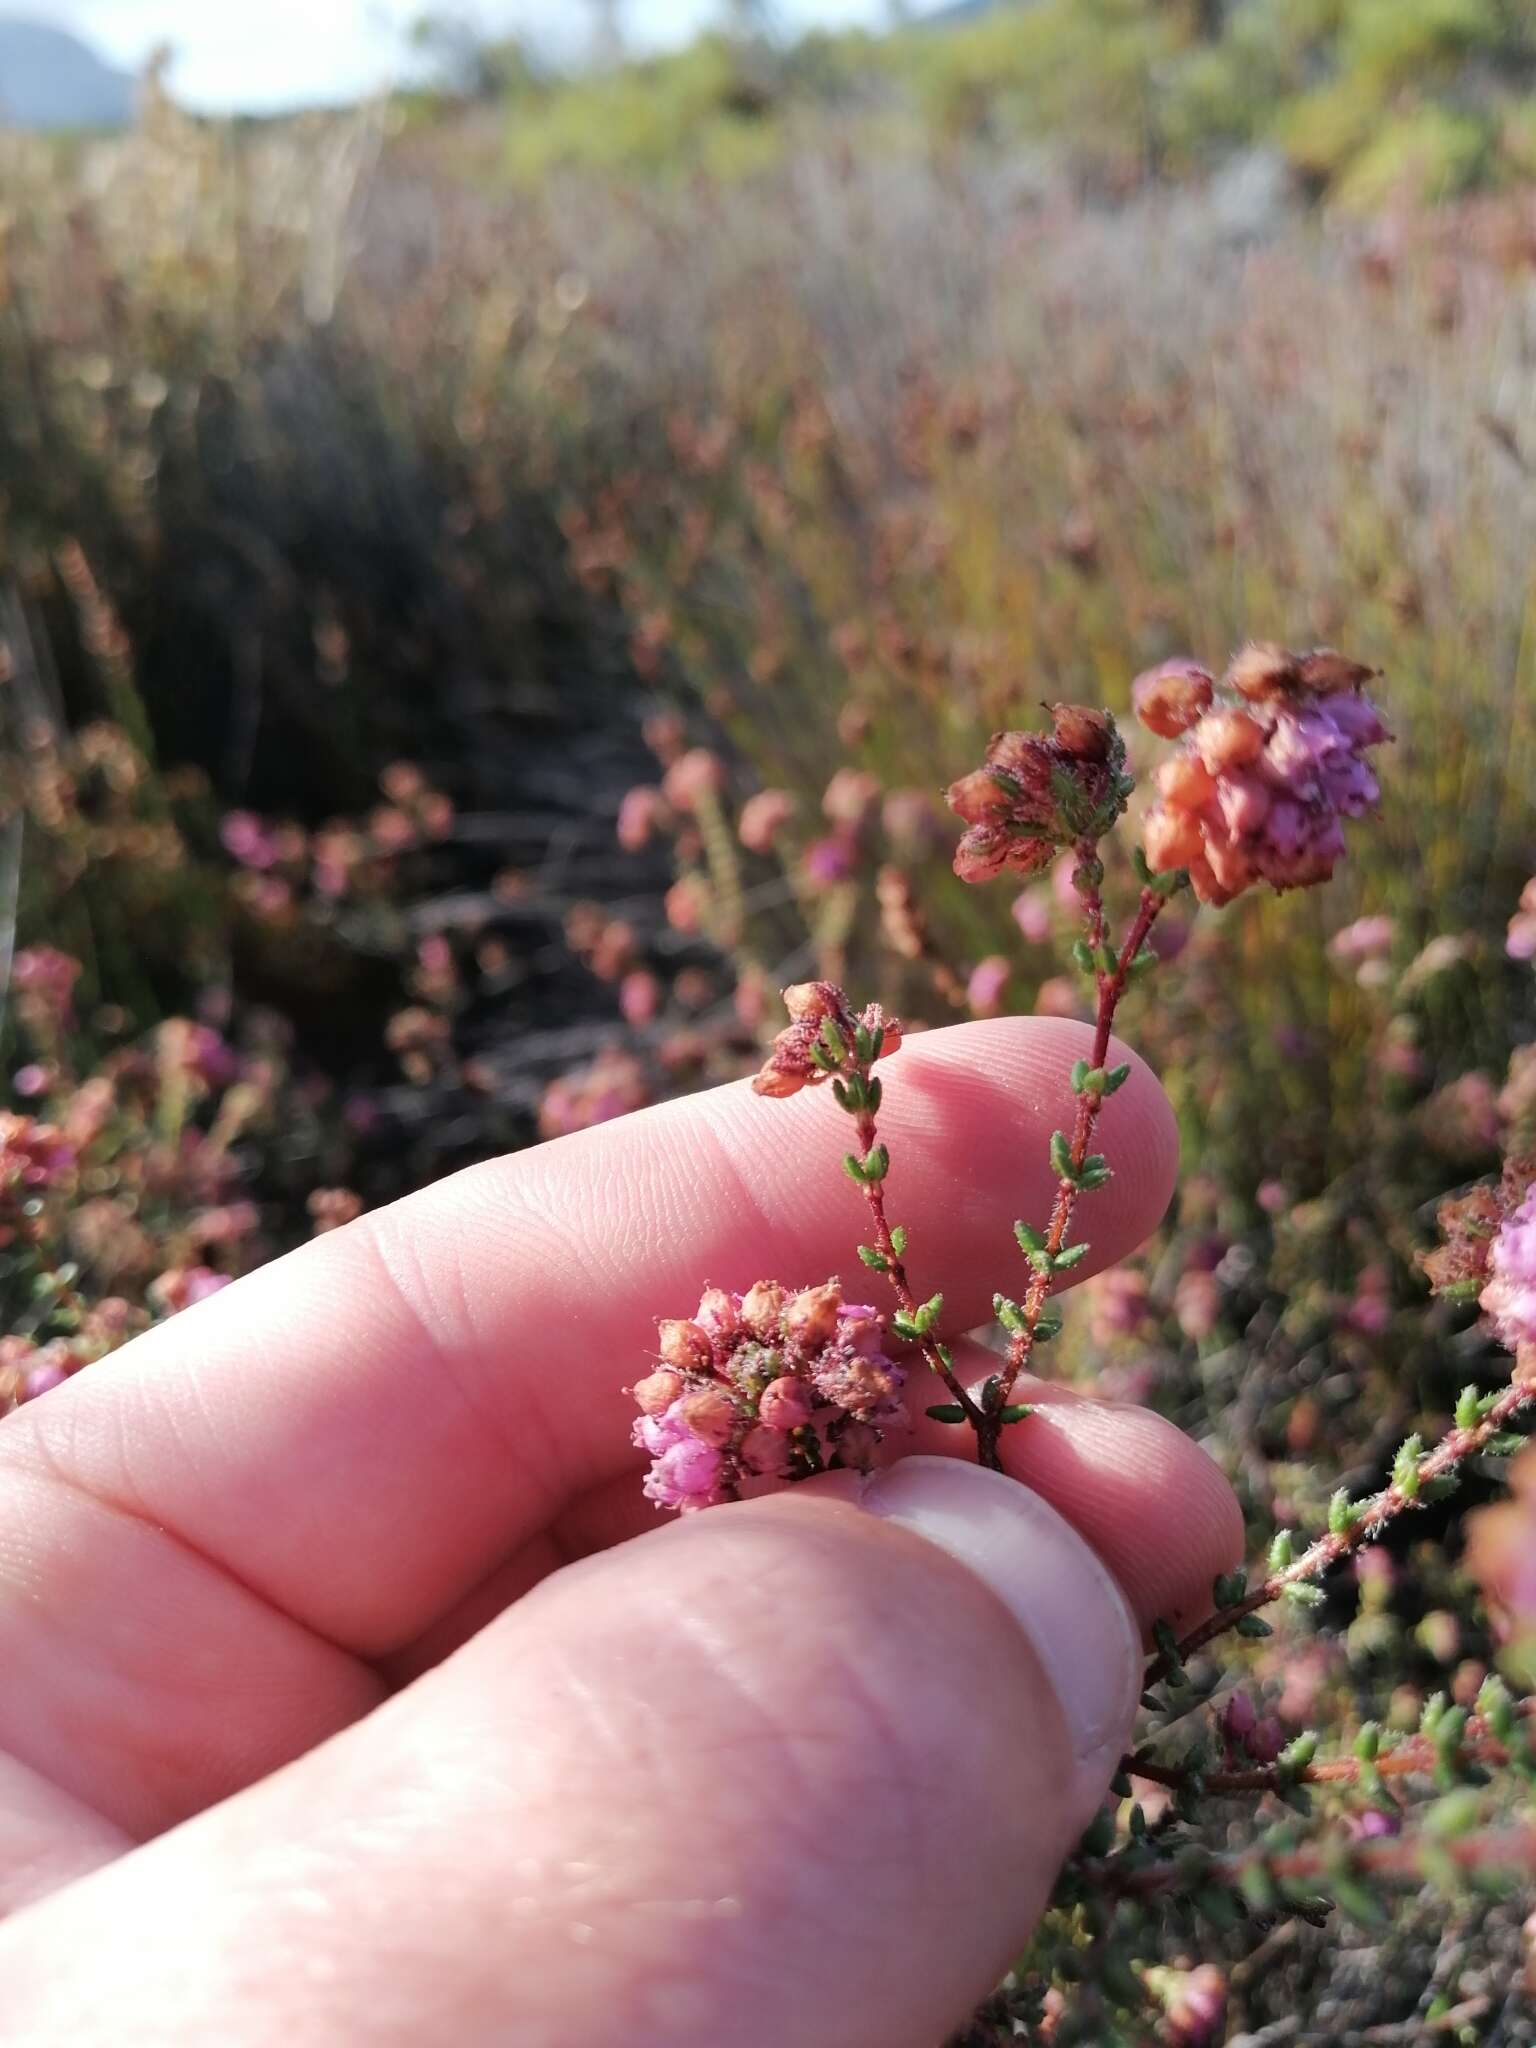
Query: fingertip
[{"x": 1155, "y": 1505}]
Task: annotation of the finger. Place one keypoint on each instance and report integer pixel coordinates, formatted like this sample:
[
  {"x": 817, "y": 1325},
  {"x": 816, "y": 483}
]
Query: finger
[
  {"x": 1150, "y": 1501},
  {"x": 797, "y": 1770},
  {"x": 360, "y": 1432}
]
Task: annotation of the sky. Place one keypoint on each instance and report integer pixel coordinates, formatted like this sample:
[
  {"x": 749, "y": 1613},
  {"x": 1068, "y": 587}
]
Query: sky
[{"x": 258, "y": 55}]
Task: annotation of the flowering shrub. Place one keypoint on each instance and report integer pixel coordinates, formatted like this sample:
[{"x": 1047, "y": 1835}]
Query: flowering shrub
[
  {"x": 773, "y": 1386},
  {"x": 470, "y": 492}
]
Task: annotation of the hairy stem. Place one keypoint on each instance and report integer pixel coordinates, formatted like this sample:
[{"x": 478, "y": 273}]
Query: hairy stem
[
  {"x": 1111, "y": 985},
  {"x": 1371, "y": 1518}
]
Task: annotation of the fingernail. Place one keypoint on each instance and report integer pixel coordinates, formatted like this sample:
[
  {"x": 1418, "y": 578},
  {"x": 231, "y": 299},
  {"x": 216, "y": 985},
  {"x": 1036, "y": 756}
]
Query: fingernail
[{"x": 1053, "y": 1584}]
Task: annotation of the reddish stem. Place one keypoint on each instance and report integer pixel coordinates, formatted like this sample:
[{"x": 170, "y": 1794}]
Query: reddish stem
[
  {"x": 1414, "y": 1756},
  {"x": 1111, "y": 985},
  {"x": 896, "y": 1271},
  {"x": 1453, "y": 1449},
  {"x": 1506, "y": 1848}
]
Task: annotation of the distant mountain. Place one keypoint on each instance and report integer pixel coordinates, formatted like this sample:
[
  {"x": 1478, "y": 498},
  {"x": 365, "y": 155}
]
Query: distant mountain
[
  {"x": 963, "y": 10},
  {"x": 50, "y": 79}
]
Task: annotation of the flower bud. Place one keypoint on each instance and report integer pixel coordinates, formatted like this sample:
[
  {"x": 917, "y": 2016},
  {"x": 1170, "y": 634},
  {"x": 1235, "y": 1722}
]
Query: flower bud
[
  {"x": 1081, "y": 731},
  {"x": 809, "y": 1001},
  {"x": 786, "y": 1403},
  {"x": 1261, "y": 670},
  {"x": 1171, "y": 838},
  {"x": 1172, "y": 697},
  {"x": 1228, "y": 739},
  {"x": 810, "y": 1319},
  {"x": 1185, "y": 780},
  {"x": 657, "y": 1391},
  {"x": 979, "y": 797},
  {"x": 761, "y": 1307},
  {"x": 711, "y": 1414},
  {"x": 717, "y": 1314},
  {"x": 684, "y": 1346}
]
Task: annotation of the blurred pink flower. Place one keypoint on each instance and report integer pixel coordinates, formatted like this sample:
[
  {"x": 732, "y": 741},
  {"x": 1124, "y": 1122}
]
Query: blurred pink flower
[
  {"x": 763, "y": 818},
  {"x": 984, "y": 989},
  {"x": 247, "y": 840},
  {"x": 1032, "y": 914},
  {"x": 641, "y": 812},
  {"x": 830, "y": 860},
  {"x": 1368, "y": 938}
]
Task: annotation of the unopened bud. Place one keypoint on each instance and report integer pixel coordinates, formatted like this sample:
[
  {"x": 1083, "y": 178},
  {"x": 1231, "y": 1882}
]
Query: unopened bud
[
  {"x": 761, "y": 1307},
  {"x": 786, "y": 1403},
  {"x": 712, "y": 1416},
  {"x": 1172, "y": 697},
  {"x": 810, "y": 1319},
  {"x": 657, "y": 1391},
  {"x": 1081, "y": 731},
  {"x": 685, "y": 1346}
]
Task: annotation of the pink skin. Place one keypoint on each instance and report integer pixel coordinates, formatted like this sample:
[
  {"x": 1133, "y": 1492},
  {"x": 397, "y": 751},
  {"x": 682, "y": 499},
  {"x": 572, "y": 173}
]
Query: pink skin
[{"x": 381, "y": 1491}]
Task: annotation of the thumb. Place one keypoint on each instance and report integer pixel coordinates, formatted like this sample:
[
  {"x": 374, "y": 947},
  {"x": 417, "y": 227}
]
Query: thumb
[{"x": 797, "y": 1770}]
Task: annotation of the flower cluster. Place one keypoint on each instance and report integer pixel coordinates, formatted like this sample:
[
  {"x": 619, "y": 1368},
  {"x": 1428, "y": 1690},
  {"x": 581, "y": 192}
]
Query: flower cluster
[
  {"x": 822, "y": 1031},
  {"x": 1267, "y": 772},
  {"x": 1509, "y": 1299},
  {"x": 1040, "y": 791},
  {"x": 770, "y": 1384}
]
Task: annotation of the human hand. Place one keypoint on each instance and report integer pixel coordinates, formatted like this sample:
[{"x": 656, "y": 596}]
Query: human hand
[{"x": 354, "y": 1695}]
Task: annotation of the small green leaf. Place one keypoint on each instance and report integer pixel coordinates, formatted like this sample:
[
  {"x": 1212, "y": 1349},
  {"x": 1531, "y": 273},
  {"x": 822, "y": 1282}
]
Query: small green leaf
[
  {"x": 1080, "y": 1073},
  {"x": 899, "y": 1239},
  {"x": 1061, "y": 1155},
  {"x": 877, "y": 1164},
  {"x": 833, "y": 1040},
  {"x": 1301, "y": 1594},
  {"x": 1405, "y": 1467},
  {"x": 1030, "y": 1240},
  {"x": 1230, "y": 1587},
  {"x": 1009, "y": 1314},
  {"x": 1046, "y": 1328},
  {"x": 1144, "y": 963},
  {"x": 1016, "y": 1411},
  {"x": 1467, "y": 1406},
  {"x": 1117, "y": 1077},
  {"x": 1072, "y": 1256},
  {"x": 1338, "y": 1513},
  {"x": 1281, "y": 1551},
  {"x": 1082, "y": 954},
  {"x": 874, "y": 1094},
  {"x": 1297, "y": 1754},
  {"x": 1253, "y": 1625},
  {"x": 874, "y": 1258},
  {"x": 928, "y": 1314},
  {"x": 946, "y": 1411},
  {"x": 853, "y": 1166},
  {"x": 843, "y": 1097}
]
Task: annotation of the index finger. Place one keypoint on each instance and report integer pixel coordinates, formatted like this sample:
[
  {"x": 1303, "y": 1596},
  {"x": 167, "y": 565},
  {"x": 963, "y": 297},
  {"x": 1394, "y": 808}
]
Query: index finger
[{"x": 360, "y": 1432}]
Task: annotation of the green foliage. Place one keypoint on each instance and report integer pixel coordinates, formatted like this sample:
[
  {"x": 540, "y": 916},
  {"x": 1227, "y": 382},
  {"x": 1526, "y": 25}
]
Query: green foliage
[{"x": 1369, "y": 99}]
